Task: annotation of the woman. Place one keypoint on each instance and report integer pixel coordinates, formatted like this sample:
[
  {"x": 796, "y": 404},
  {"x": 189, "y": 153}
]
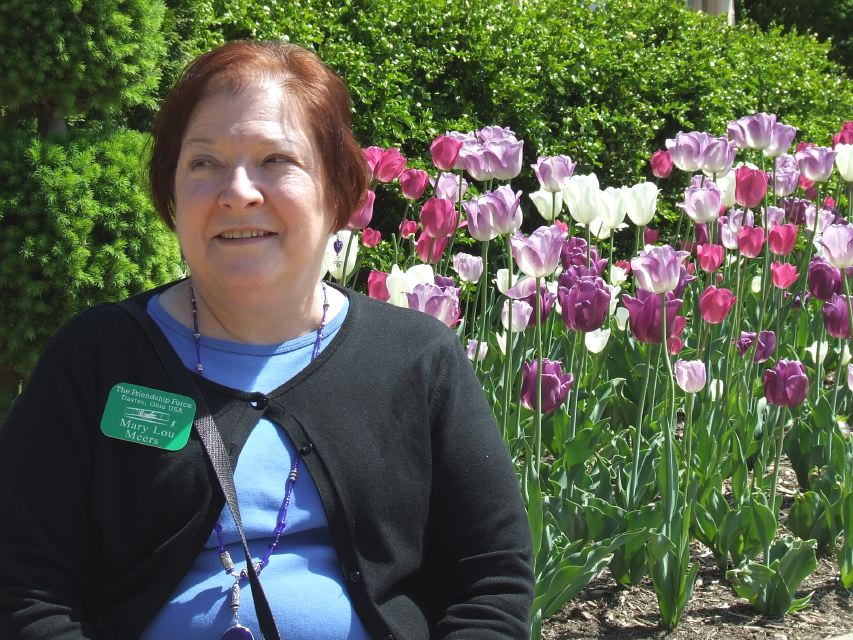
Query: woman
[{"x": 376, "y": 494}]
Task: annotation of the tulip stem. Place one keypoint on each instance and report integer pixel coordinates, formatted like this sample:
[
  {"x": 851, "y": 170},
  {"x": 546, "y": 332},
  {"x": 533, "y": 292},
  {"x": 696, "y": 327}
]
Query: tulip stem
[
  {"x": 688, "y": 466},
  {"x": 577, "y": 386},
  {"x": 633, "y": 489},
  {"x": 838, "y": 375},
  {"x": 779, "y": 425},
  {"x": 849, "y": 302},
  {"x": 482, "y": 289},
  {"x": 670, "y": 491},
  {"x": 509, "y": 350},
  {"x": 344, "y": 273},
  {"x": 736, "y": 333},
  {"x": 537, "y": 420}
]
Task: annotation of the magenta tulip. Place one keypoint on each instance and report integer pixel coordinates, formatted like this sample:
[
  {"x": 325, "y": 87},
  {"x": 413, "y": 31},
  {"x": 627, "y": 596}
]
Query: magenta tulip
[
  {"x": 430, "y": 249},
  {"x": 413, "y": 182},
  {"x": 370, "y": 237},
  {"x": 439, "y": 217},
  {"x": 650, "y": 236},
  {"x": 389, "y": 166},
  {"x": 823, "y": 279},
  {"x": 372, "y": 155},
  {"x": 710, "y": 257},
  {"x": 661, "y": 163},
  {"x": 786, "y": 384},
  {"x": 836, "y": 317},
  {"x": 362, "y": 216},
  {"x": 645, "y": 315},
  {"x": 782, "y": 238},
  {"x": 750, "y": 241},
  {"x": 750, "y": 186},
  {"x": 376, "y": 285},
  {"x": 445, "y": 151},
  {"x": 714, "y": 304},
  {"x": 783, "y": 274},
  {"x": 408, "y": 228},
  {"x": 555, "y": 384},
  {"x": 440, "y": 303}
]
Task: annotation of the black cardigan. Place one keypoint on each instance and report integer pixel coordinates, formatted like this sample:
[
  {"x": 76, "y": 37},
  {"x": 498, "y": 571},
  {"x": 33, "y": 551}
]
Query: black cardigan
[{"x": 420, "y": 493}]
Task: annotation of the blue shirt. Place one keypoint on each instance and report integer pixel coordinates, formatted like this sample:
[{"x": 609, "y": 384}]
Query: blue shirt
[{"x": 303, "y": 580}]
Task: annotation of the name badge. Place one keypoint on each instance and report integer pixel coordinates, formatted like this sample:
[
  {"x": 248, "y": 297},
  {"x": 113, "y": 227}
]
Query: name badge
[{"x": 148, "y": 416}]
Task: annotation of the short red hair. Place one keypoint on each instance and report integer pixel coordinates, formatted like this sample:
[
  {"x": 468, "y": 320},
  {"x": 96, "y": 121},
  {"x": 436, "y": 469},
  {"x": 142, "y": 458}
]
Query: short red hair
[{"x": 316, "y": 90}]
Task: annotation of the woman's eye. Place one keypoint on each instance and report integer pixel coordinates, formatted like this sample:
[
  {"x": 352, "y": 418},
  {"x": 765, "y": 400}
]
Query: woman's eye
[
  {"x": 201, "y": 163},
  {"x": 276, "y": 160}
]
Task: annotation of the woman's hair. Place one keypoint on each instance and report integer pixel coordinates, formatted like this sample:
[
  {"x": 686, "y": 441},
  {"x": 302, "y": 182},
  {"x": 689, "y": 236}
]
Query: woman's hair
[{"x": 320, "y": 96}]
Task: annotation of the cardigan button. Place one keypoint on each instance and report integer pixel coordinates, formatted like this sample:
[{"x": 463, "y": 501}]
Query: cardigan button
[
  {"x": 388, "y": 637},
  {"x": 355, "y": 576},
  {"x": 260, "y": 402},
  {"x": 306, "y": 448}
]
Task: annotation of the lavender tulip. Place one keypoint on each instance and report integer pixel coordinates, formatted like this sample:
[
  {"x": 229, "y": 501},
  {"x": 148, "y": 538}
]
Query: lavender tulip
[
  {"x": 525, "y": 290},
  {"x": 442, "y": 304},
  {"x": 521, "y": 314},
  {"x": 837, "y": 244},
  {"x": 539, "y": 254},
  {"x": 702, "y": 204},
  {"x": 836, "y": 317},
  {"x": 772, "y": 216},
  {"x": 753, "y": 132},
  {"x": 817, "y": 220},
  {"x": 781, "y": 137},
  {"x": 823, "y": 279},
  {"x": 787, "y": 175},
  {"x": 480, "y": 354},
  {"x": 552, "y": 171},
  {"x": 494, "y": 133},
  {"x": 786, "y": 384},
  {"x": 469, "y": 267},
  {"x": 718, "y": 156},
  {"x": 816, "y": 163},
  {"x": 645, "y": 315},
  {"x": 690, "y": 375},
  {"x": 850, "y": 377},
  {"x": 658, "y": 269},
  {"x": 493, "y": 214},
  {"x": 686, "y": 150},
  {"x": 585, "y": 303},
  {"x": 447, "y": 186},
  {"x": 503, "y": 158},
  {"x": 555, "y": 384}
]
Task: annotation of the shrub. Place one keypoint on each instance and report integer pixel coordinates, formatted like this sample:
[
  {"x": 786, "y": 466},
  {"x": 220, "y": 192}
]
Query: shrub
[{"x": 78, "y": 229}]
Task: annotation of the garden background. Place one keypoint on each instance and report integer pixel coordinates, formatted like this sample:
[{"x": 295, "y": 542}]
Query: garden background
[{"x": 606, "y": 83}]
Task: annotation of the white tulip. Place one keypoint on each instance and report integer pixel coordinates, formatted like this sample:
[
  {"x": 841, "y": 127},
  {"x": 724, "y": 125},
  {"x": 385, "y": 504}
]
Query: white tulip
[
  {"x": 844, "y": 161},
  {"x": 621, "y": 315},
  {"x": 583, "y": 197},
  {"x": 333, "y": 262},
  {"x": 641, "y": 201},
  {"x": 400, "y": 282},
  {"x": 812, "y": 350},
  {"x": 726, "y": 185},
  {"x": 596, "y": 340},
  {"x": 615, "y": 208},
  {"x": 716, "y": 389},
  {"x": 502, "y": 280},
  {"x": 755, "y": 285},
  {"x": 618, "y": 275},
  {"x": 548, "y": 204}
]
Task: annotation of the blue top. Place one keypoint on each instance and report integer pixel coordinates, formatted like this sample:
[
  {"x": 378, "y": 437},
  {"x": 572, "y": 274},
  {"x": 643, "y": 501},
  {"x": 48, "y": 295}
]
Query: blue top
[{"x": 303, "y": 580}]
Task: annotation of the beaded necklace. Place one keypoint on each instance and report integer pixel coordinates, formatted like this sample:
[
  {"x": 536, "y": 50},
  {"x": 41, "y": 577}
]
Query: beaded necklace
[{"x": 237, "y": 631}]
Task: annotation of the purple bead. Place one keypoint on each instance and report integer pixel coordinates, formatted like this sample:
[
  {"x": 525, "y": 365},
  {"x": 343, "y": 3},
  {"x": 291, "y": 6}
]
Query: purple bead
[{"x": 237, "y": 632}]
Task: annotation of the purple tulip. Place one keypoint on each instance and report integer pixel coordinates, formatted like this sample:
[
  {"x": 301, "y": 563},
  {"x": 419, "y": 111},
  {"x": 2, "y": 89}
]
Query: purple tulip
[
  {"x": 753, "y": 132},
  {"x": 690, "y": 375},
  {"x": 795, "y": 209},
  {"x": 493, "y": 214},
  {"x": 645, "y": 315},
  {"x": 781, "y": 137},
  {"x": 787, "y": 175},
  {"x": 786, "y": 384},
  {"x": 837, "y": 244},
  {"x": 824, "y": 280},
  {"x": 702, "y": 204},
  {"x": 442, "y": 304},
  {"x": 525, "y": 290},
  {"x": 573, "y": 254},
  {"x": 447, "y": 186},
  {"x": 555, "y": 384},
  {"x": 836, "y": 317},
  {"x": 658, "y": 269},
  {"x": 585, "y": 303},
  {"x": 539, "y": 254},
  {"x": 718, "y": 156},
  {"x": 816, "y": 163},
  {"x": 551, "y": 171},
  {"x": 686, "y": 150},
  {"x": 766, "y": 345},
  {"x": 469, "y": 267}
]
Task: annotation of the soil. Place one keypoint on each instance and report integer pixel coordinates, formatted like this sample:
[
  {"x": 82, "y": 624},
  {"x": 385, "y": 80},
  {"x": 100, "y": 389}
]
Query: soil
[{"x": 606, "y": 609}]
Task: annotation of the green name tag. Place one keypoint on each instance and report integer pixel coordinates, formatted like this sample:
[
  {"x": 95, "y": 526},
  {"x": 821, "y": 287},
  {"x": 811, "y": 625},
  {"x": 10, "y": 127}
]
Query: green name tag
[{"x": 148, "y": 416}]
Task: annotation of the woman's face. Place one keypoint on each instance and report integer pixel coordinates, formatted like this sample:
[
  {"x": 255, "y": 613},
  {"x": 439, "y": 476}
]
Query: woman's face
[{"x": 249, "y": 208}]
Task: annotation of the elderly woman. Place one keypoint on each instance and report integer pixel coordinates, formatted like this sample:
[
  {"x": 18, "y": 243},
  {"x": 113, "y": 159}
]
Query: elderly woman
[{"x": 373, "y": 491}]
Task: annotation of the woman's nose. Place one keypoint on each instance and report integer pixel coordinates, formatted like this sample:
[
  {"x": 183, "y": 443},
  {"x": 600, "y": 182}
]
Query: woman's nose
[{"x": 241, "y": 191}]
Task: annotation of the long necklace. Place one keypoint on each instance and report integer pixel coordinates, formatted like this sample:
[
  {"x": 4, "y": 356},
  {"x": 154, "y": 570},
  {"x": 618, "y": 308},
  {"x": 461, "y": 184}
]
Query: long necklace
[{"x": 237, "y": 631}]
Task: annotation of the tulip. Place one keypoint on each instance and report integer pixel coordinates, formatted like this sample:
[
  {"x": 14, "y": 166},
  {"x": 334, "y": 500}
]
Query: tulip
[
  {"x": 614, "y": 210},
  {"x": 661, "y": 163},
  {"x": 702, "y": 204},
  {"x": 539, "y": 254},
  {"x": 750, "y": 241},
  {"x": 596, "y": 340},
  {"x": 658, "y": 269},
  {"x": 472, "y": 159},
  {"x": 726, "y": 185},
  {"x": 583, "y": 198},
  {"x": 817, "y": 221},
  {"x": 771, "y": 216},
  {"x": 521, "y": 314},
  {"x": 574, "y": 254},
  {"x": 787, "y": 175},
  {"x": 481, "y": 353},
  {"x": 753, "y": 132},
  {"x": 494, "y": 133},
  {"x": 786, "y": 384},
  {"x": 548, "y": 204},
  {"x": 844, "y": 135},
  {"x": 525, "y": 290},
  {"x": 389, "y": 165},
  {"x": 690, "y": 375},
  {"x": 766, "y": 344},
  {"x": 850, "y": 377},
  {"x": 641, "y": 202},
  {"x": 399, "y": 282},
  {"x": 782, "y": 238},
  {"x": 361, "y": 217},
  {"x": 439, "y": 217},
  {"x": 715, "y": 303},
  {"x": 650, "y": 236},
  {"x": 645, "y": 315},
  {"x": 447, "y": 186},
  {"x": 837, "y": 244},
  {"x": 493, "y": 214},
  {"x": 718, "y": 156},
  {"x": 750, "y": 186},
  {"x": 502, "y": 280},
  {"x": 817, "y": 351},
  {"x": 816, "y": 163},
  {"x": 836, "y": 317},
  {"x": 823, "y": 279},
  {"x": 370, "y": 237},
  {"x": 408, "y": 228},
  {"x": 333, "y": 261},
  {"x": 377, "y": 287},
  {"x": 442, "y": 304},
  {"x": 710, "y": 257},
  {"x": 674, "y": 343},
  {"x": 781, "y": 137},
  {"x": 413, "y": 182},
  {"x": 469, "y": 267},
  {"x": 430, "y": 249},
  {"x": 783, "y": 274},
  {"x": 372, "y": 155},
  {"x": 552, "y": 171},
  {"x": 795, "y": 210},
  {"x": 444, "y": 151},
  {"x": 686, "y": 149},
  {"x": 555, "y": 385},
  {"x": 585, "y": 303},
  {"x": 503, "y": 158}
]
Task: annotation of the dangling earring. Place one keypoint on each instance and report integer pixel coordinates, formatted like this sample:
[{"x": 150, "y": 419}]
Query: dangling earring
[{"x": 337, "y": 245}]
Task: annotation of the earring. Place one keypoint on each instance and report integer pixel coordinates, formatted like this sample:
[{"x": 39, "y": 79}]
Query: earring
[{"x": 337, "y": 245}]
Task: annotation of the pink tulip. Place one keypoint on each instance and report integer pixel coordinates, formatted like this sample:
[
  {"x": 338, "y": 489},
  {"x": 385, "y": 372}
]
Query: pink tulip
[
  {"x": 372, "y": 155},
  {"x": 650, "y": 236},
  {"x": 782, "y": 238},
  {"x": 370, "y": 237},
  {"x": 408, "y": 228},
  {"x": 844, "y": 136},
  {"x": 439, "y": 217},
  {"x": 430, "y": 249},
  {"x": 750, "y": 186},
  {"x": 413, "y": 182},
  {"x": 783, "y": 274},
  {"x": 674, "y": 344},
  {"x": 661, "y": 163},
  {"x": 714, "y": 304},
  {"x": 376, "y": 287},
  {"x": 445, "y": 151},
  {"x": 361, "y": 217},
  {"x": 750, "y": 241},
  {"x": 710, "y": 257},
  {"x": 389, "y": 166}
]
